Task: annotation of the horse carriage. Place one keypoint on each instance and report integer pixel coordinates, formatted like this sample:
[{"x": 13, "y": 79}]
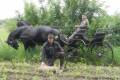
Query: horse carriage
[{"x": 97, "y": 49}]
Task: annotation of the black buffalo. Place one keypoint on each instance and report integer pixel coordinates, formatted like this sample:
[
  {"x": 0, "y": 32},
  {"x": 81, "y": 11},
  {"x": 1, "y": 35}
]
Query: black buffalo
[
  {"x": 22, "y": 23},
  {"x": 30, "y": 36}
]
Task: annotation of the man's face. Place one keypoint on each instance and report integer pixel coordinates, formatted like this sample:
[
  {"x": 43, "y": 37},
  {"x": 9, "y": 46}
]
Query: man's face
[
  {"x": 83, "y": 17},
  {"x": 50, "y": 39}
]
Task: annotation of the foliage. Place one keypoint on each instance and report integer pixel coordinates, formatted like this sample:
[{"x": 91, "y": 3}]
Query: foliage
[
  {"x": 109, "y": 24},
  {"x": 31, "y": 13},
  {"x": 115, "y": 26},
  {"x": 65, "y": 17}
]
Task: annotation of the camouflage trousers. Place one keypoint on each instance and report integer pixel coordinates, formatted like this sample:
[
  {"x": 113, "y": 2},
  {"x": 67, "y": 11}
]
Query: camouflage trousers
[{"x": 57, "y": 55}]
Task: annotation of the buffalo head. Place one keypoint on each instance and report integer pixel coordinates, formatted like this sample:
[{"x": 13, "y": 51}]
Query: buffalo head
[{"x": 13, "y": 43}]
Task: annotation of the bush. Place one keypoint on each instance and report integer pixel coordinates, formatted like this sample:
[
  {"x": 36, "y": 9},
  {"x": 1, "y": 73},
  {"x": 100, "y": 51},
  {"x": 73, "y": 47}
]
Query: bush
[{"x": 31, "y": 14}]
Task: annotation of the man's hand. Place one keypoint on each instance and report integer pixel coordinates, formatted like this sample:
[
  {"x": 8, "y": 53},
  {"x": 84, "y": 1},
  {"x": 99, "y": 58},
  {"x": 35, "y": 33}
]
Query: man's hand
[{"x": 43, "y": 64}]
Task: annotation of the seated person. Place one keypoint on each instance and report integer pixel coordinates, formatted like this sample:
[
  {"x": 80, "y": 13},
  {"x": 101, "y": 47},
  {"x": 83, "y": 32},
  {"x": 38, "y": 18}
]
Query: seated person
[
  {"x": 81, "y": 29},
  {"x": 51, "y": 51}
]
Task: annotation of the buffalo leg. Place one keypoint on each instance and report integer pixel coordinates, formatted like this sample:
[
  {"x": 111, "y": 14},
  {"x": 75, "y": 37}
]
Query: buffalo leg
[{"x": 28, "y": 44}]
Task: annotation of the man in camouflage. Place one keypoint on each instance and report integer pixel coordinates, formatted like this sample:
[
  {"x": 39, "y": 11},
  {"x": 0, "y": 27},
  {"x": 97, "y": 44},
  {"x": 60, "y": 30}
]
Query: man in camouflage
[{"x": 51, "y": 51}]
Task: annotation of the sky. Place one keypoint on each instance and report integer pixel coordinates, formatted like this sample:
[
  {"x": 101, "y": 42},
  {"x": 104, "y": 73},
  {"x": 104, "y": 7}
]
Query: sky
[
  {"x": 111, "y": 6},
  {"x": 8, "y": 8}
]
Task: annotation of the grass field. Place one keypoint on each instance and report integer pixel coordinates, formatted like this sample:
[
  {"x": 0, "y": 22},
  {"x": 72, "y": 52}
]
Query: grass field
[{"x": 25, "y": 71}]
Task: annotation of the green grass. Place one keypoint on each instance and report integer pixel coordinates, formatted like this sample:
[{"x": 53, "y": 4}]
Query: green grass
[
  {"x": 3, "y": 34},
  {"x": 117, "y": 55},
  {"x": 7, "y": 53},
  {"x": 25, "y": 71}
]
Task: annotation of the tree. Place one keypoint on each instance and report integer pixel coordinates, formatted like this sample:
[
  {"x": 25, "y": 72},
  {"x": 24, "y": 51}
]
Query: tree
[
  {"x": 31, "y": 13},
  {"x": 74, "y": 9},
  {"x": 64, "y": 17}
]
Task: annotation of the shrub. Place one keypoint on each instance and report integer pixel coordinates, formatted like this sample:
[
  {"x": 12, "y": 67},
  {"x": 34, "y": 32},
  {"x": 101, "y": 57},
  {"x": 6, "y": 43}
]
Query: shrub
[{"x": 31, "y": 13}]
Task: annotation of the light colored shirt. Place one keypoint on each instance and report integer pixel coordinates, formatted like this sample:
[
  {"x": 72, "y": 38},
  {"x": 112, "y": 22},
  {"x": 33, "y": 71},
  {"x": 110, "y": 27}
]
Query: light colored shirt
[{"x": 84, "y": 24}]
